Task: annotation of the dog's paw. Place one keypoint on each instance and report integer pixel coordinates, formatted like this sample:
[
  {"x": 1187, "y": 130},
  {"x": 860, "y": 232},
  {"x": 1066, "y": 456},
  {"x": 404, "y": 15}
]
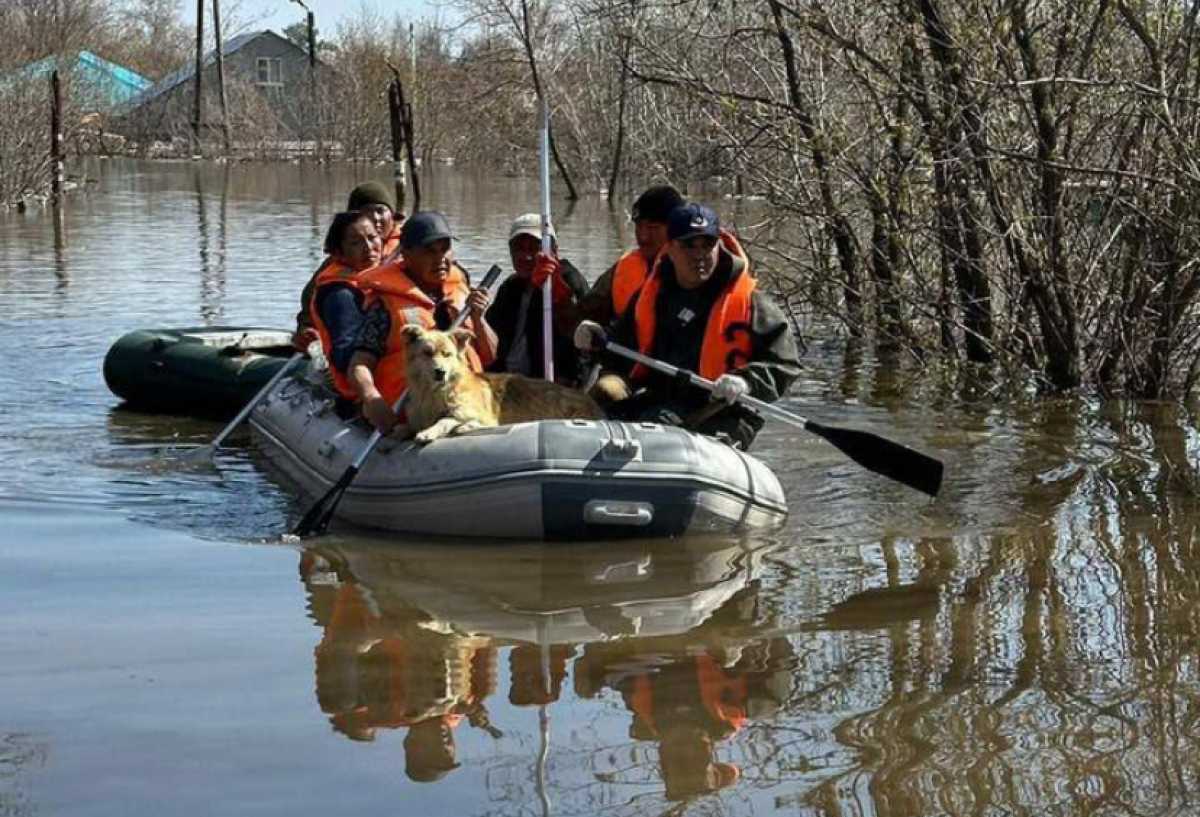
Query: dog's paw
[
  {"x": 469, "y": 425},
  {"x": 441, "y": 428}
]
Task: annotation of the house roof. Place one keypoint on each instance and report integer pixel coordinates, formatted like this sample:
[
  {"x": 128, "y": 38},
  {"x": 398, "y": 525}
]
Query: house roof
[
  {"x": 176, "y": 78},
  {"x": 119, "y": 84}
]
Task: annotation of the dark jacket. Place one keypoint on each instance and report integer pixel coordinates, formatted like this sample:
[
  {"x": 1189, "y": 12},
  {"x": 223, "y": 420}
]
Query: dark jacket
[
  {"x": 503, "y": 316},
  {"x": 680, "y": 322}
]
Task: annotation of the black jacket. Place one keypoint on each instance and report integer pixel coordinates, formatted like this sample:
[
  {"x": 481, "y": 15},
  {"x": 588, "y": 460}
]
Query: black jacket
[
  {"x": 503, "y": 315},
  {"x": 774, "y": 356}
]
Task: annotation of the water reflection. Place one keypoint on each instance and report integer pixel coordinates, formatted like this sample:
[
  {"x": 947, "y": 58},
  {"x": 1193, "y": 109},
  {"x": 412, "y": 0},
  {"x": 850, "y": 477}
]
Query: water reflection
[{"x": 669, "y": 628}]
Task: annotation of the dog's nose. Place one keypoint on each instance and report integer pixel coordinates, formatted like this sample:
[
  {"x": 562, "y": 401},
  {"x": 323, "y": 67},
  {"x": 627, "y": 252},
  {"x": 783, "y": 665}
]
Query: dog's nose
[{"x": 439, "y": 375}]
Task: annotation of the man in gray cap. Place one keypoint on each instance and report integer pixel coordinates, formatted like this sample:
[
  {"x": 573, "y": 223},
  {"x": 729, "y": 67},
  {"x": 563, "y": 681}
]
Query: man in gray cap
[
  {"x": 516, "y": 313},
  {"x": 425, "y": 287},
  {"x": 700, "y": 310}
]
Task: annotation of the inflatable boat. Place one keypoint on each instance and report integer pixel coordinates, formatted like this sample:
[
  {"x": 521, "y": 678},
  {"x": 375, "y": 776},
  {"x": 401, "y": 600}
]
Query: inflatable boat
[
  {"x": 207, "y": 371},
  {"x": 553, "y": 479}
]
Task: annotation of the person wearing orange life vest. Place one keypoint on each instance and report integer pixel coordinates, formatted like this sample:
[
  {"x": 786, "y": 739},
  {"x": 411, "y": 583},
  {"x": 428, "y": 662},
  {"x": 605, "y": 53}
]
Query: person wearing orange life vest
[
  {"x": 612, "y": 292},
  {"x": 700, "y": 310},
  {"x": 373, "y": 199},
  {"x": 336, "y": 308},
  {"x": 425, "y": 286}
]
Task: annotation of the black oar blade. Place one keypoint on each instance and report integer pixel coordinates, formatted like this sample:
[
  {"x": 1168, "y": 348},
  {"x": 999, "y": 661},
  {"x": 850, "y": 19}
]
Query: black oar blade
[
  {"x": 319, "y": 515},
  {"x": 884, "y": 457}
]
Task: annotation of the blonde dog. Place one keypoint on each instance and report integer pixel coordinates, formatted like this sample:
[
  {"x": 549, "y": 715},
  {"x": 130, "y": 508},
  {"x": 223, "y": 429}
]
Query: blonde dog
[{"x": 445, "y": 397}]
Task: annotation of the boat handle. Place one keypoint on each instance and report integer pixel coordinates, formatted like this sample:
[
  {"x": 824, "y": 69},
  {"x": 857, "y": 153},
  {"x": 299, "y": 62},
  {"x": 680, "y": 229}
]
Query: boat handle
[{"x": 618, "y": 512}]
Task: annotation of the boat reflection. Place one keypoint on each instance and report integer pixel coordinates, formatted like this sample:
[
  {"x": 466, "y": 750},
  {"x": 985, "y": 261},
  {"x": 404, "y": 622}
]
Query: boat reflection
[{"x": 413, "y": 638}]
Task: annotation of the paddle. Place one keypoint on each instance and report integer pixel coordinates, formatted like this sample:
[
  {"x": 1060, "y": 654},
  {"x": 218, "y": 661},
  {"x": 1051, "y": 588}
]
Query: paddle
[
  {"x": 547, "y": 246},
  {"x": 319, "y": 515},
  {"x": 871, "y": 451},
  {"x": 206, "y": 451}
]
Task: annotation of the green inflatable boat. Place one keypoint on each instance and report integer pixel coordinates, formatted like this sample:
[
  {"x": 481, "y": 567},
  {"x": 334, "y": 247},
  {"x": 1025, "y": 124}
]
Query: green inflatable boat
[{"x": 209, "y": 371}]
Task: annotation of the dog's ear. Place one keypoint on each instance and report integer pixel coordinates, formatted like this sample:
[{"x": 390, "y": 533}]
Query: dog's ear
[
  {"x": 412, "y": 332},
  {"x": 462, "y": 339}
]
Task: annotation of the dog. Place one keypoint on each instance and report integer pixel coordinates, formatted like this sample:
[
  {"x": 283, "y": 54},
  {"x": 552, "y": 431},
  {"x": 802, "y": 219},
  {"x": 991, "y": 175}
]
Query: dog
[{"x": 446, "y": 397}]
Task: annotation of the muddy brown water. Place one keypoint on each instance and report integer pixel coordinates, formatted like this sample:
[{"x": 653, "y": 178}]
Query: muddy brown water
[{"x": 1025, "y": 644}]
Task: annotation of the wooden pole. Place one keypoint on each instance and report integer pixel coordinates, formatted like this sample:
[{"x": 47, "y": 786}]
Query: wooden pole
[
  {"x": 395, "y": 119},
  {"x": 56, "y": 138},
  {"x": 216, "y": 10},
  {"x": 197, "y": 104}
]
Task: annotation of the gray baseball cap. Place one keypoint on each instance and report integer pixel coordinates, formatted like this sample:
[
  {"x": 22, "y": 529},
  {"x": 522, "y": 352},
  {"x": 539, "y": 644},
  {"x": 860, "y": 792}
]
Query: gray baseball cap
[{"x": 424, "y": 227}]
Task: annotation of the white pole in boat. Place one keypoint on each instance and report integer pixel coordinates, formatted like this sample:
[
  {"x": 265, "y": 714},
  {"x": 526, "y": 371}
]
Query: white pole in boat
[{"x": 547, "y": 244}]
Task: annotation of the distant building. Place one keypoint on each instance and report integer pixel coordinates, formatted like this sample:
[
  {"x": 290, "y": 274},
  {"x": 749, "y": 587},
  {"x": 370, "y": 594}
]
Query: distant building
[
  {"x": 94, "y": 84},
  {"x": 268, "y": 87}
]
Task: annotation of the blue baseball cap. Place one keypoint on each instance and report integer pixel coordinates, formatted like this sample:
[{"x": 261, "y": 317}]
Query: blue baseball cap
[{"x": 693, "y": 219}]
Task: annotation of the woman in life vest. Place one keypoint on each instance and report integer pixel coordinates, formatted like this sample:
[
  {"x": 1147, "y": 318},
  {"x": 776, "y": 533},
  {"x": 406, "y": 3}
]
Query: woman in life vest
[
  {"x": 336, "y": 308},
  {"x": 424, "y": 287},
  {"x": 374, "y": 200},
  {"x": 700, "y": 310}
]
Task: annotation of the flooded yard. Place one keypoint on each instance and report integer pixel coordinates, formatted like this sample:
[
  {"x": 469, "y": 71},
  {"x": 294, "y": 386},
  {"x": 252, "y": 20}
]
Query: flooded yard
[{"x": 1024, "y": 644}]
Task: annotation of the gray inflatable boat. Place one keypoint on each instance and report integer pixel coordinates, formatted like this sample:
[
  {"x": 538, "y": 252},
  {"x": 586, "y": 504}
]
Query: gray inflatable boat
[{"x": 554, "y": 479}]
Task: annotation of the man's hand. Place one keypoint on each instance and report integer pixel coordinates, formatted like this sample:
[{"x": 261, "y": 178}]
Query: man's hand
[
  {"x": 590, "y": 336},
  {"x": 303, "y": 338},
  {"x": 729, "y": 387},
  {"x": 547, "y": 266},
  {"x": 378, "y": 413},
  {"x": 478, "y": 302}
]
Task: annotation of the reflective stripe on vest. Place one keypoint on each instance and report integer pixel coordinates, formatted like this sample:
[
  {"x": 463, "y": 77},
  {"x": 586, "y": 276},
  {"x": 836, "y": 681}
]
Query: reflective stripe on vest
[
  {"x": 628, "y": 277},
  {"x": 727, "y": 343},
  {"x": 333, "y": 271}
]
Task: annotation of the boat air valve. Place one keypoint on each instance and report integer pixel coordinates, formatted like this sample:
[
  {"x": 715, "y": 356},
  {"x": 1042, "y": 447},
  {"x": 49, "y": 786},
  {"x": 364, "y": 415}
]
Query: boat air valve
[{"x": 330, "y": 447}]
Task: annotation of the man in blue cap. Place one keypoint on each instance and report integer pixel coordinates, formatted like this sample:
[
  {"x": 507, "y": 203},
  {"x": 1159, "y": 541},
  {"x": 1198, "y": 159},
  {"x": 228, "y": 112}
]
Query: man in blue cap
[{"x": 700, "y": 310}]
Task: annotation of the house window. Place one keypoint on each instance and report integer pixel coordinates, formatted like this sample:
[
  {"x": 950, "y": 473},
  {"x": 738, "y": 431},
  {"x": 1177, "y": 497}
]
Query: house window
[{"x": 270, "y": 71}]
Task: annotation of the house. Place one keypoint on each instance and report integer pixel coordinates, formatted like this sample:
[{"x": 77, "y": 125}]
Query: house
[
  {"x": 269, "y": 90},
  {"x": 94, "y": 84}
]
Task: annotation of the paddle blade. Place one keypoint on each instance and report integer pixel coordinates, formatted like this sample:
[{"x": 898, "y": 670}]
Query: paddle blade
[
  {"x": 884, "y": 457},
  {"x": 319, "y": 515}
]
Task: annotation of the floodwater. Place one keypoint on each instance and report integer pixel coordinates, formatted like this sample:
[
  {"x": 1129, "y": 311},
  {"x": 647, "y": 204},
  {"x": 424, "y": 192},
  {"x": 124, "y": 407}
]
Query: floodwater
[{"x": 1025, "y": 644}]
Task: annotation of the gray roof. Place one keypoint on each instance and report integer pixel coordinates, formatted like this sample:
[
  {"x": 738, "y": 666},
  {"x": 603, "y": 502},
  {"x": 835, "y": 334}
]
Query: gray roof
[{"x": 176, "y": 78}]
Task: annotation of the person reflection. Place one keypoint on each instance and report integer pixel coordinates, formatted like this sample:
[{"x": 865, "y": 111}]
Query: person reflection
[
  {"x": 392, "y": 668},
  {"x": 527, "y": 675},
  {"x": 688, "y": 693}
]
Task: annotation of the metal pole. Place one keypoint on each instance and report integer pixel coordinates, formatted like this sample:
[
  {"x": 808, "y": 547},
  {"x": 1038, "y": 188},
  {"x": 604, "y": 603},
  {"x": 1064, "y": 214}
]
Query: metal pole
[
  {"x": 216, "y": 10},
  {"x": 547, "y": 246},
  {"x": 56, "y": 138},
  {"x": 197, "y": 105}
]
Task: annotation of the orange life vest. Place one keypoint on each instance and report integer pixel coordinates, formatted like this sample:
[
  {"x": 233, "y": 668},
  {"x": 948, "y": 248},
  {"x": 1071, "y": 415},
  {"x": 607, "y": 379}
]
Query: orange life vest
[
  {"x": 407, "y": 304},
  {"x": 726, "y": 343},
  {"x": 333, "y": 271},
  {"x": 631, "y": 272},
  {"x": 391, "y": 241},
  {"x": 722, "y": 695}
]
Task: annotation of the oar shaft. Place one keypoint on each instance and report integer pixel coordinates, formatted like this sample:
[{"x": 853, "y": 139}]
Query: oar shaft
[
  {"x": 875, "y": 453},
  {"x": 255, "y": 400},
  {"x": 704, "y": 383}
]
